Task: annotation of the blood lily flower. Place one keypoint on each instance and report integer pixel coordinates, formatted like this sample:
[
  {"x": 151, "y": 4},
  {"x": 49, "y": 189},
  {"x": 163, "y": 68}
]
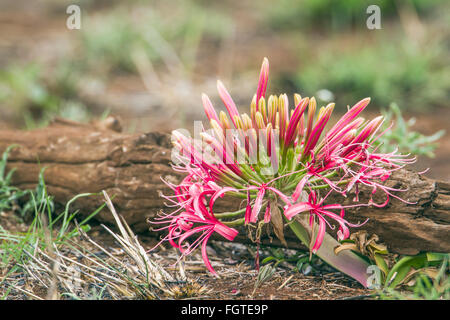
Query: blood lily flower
[
  {"x": 319, "y": 211},
  {"x": 277, "y": 161}
]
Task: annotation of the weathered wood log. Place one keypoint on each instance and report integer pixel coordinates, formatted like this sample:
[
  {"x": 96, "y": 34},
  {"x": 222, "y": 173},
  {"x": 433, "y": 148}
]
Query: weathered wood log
[{"x": 83, "y": 158}]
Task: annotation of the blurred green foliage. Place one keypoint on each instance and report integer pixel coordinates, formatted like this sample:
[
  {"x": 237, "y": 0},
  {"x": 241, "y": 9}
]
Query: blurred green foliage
[
  {"x": 34, "y": 93},
  {"x": 388, "y": 67},
  {"x": 393, "y": 72},
  {"x": 29, "y": 92},
  {"x": 402, "y": 136},
  {"x": 22, "y": 87},
  {"x": 335, "y": 15},
  {"x": 109, "y": 40}
]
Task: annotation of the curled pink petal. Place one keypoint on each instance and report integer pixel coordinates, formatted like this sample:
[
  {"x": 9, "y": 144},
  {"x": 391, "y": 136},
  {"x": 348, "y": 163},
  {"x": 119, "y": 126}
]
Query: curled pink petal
[
  {"x": 299, "y": 188},
  {"x": 220, "y": 193},
  {"x": 297, "y": 208}
]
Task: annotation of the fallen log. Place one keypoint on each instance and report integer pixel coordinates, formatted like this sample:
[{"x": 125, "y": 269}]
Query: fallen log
[{"x": 82, "y": 158}]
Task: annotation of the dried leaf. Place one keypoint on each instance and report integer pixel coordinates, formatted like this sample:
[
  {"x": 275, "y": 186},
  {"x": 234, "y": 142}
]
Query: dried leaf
[
  {"x": 276, "y": 221},
  {"x": 345, "y": 246}
]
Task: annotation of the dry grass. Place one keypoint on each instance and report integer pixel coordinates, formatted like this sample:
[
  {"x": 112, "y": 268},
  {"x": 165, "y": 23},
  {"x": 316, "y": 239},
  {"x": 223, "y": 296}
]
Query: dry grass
[{"x": 80, "y": 268}]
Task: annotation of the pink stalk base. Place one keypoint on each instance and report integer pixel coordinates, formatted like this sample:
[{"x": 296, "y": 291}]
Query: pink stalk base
[{"x": 346, "y": 261}]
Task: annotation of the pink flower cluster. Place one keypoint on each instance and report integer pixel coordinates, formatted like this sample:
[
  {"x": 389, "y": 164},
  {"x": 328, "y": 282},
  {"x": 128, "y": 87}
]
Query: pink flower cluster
[{"x": 274, "y": 155}]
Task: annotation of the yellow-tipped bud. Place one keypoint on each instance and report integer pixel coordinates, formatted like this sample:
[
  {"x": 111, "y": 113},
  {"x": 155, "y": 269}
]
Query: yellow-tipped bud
[
  {"x": 331, "y": 106},
  {"x": 311, "y": 110},
  {"x": 283, "y": 108},
  {"x": 272, "y": 105},
  {"x": 277, "y": 120},
  {"x": 262, "y": 108},
  {"x": 312, "y": 105},
  {"x": 348, "y": 137},
  {"x": 259, "y": 120},
  {"x": 238, "y": 122},
  {"x": 297, "y": 99},
  {"x": 217, "y": 129},
  {"x": 281, "y": 103},
  {"x": 252, "y": 137},
  {"x": 224, "y": 120},
  {"x": 321, "y": 111},
  {"x": 328, "y": 110},
  {"x": 310, "y": 120},
  {"x": 247, "y": 122},
  {"x": 253, "y": 108}
]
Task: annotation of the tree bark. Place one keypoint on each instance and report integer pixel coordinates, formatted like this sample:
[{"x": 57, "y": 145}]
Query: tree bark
[{"x": 82, "y": 158}]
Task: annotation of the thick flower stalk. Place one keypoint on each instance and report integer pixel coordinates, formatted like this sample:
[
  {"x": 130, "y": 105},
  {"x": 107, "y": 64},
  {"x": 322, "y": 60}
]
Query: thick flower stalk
[{"x": 277, "y": 160}]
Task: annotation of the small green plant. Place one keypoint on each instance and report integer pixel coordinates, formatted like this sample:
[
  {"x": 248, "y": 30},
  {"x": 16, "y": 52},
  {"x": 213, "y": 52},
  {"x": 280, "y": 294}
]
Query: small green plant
[
  {"x": 44, "y": 223},
  {"x": 41, "y": 207},
  {"x": 8, "y": 194},
  {"x": 303, "y": 261},
  {"x": 403, "y": 137},
  {"x": 425, "y": 276},
  {"x": 265, "y": 274}
]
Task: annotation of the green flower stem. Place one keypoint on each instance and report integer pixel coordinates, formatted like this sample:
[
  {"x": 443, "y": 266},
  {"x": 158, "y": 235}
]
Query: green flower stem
[
  {"x": 238, "y": 194},
  {"x": 229, "y": 214},
  {"x": 234, "y": 223},
  {"x": 229, "y": 182},
  {"x": 346, "y": 261}
]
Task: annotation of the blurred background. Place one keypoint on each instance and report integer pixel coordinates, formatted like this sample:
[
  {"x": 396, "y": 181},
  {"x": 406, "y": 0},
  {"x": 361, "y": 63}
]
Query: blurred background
[{"x": 149, "y": 61}]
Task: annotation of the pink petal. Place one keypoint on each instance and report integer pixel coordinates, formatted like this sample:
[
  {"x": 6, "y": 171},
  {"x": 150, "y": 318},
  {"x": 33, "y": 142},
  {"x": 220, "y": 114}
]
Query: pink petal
[
  {"x": 293, "y": 122},
  {"x": 257, "y": 205},
  {"x": 332, "y": 206},
  {"x": 349, "y": 116},
  {"x": 267, "y": 214},
  {"x": 248, "y": 213},
  {"x": 220, "y": 194},
  {"x": 227, "y": 101},
  {"x": 205, "y": 257},
  {"x": 296, "y": 209},
  {"x": 209, "y": 109},
  {"x": 262, "y": 83},
  {"x": 280, "y": 194},
  {"x": 225, "y": 231},
  {"x": 299, "y": 188},
  {"x": 320, "y": 235}
]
